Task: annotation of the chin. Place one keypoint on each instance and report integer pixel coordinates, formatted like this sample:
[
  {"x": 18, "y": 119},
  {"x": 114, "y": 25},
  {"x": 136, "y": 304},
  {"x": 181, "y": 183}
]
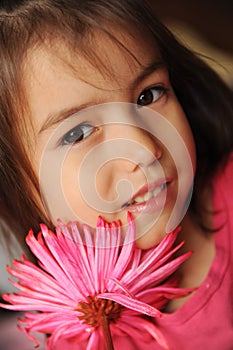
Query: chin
[{"x": 151, "y": 238}]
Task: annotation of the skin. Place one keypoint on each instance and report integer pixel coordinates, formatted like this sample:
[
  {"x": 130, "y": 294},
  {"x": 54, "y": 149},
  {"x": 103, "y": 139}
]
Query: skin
[
  {"x": 57, "y": 80},
  {"x": 54, "y": 85}
]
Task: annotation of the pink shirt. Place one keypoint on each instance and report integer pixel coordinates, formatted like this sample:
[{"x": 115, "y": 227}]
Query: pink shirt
[{"x": 205, "y": 321}]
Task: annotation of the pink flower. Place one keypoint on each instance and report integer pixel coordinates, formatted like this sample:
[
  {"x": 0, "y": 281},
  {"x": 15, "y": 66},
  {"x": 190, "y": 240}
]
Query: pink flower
[{"x": 91, "y": 288}]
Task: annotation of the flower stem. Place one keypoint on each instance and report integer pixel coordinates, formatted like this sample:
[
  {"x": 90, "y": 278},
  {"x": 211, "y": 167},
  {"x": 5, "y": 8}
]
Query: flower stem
[{"x": 106, "y": 332}]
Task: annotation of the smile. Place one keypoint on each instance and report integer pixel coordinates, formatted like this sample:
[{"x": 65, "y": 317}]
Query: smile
[{"x": 149, "y": 198}]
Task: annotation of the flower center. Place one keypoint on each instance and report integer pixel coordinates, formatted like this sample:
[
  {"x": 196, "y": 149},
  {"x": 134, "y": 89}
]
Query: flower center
[{"x": 95, "y": 309}]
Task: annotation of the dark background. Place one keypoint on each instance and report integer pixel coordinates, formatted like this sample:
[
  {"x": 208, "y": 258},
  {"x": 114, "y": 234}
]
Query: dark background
[
  {"x": 213, "y": 19},
  {"x": 205, "y": 26}
]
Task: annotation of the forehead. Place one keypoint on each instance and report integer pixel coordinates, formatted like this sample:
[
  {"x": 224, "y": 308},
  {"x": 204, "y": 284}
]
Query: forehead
[{"x": 100, "y": 56}]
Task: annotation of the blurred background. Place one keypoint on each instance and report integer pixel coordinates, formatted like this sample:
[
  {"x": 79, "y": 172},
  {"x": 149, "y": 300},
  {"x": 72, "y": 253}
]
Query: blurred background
[{"x": 205, "y": 26}]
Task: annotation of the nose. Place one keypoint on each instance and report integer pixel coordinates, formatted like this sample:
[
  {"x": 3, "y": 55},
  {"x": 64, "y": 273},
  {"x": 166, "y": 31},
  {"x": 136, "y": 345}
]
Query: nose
[
  {"x": 147, "y": 149},
  {"x": 131, "y": 132},
  {"x": 135, "y": 134},
  {"x": 136, "y": 146}
]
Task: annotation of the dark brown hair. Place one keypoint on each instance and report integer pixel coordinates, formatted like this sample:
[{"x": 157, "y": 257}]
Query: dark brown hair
[{"x": 206, "y": 100}]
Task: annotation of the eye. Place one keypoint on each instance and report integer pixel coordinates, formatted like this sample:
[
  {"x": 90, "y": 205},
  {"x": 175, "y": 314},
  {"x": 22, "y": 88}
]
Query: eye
[
  {"x": 77, "y": 134},
  {"x": 151, "y": 95}
]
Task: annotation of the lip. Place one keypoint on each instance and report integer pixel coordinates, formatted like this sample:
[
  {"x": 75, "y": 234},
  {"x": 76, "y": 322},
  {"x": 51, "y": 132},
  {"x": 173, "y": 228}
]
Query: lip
[{"x": 155, "y": 203}]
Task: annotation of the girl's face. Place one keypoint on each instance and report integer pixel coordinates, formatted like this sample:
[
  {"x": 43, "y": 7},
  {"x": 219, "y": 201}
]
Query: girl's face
[{"x": 110, "y": 141}]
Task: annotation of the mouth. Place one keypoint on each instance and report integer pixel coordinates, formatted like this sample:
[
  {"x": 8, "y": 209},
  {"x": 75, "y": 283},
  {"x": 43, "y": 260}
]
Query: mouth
[{"x": 149, "y": 194}]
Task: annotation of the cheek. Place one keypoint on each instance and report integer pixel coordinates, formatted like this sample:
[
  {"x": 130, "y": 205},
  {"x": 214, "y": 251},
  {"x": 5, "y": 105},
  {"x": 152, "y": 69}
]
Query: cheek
[
  {"x": 184, "y": 132},
  {"x": 58, "y": 179},
  {"x": 86, "y": 190},
  {"x": 105, "y": 182},
  {"x": 75, "y": 191},
  {"x": 187, "y": 136}
]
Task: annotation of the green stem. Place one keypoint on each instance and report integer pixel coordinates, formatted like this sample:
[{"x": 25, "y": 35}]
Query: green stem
[{"x": 106, "y": 332}]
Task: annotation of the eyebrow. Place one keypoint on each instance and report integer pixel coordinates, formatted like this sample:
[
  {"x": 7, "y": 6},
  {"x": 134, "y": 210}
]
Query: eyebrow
[
  {"x": 148, "y": 70},
  {"x": 62, "y": 115}
]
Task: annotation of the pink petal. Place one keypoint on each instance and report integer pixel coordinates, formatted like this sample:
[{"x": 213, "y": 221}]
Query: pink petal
[
  {"x": 33, "y": 277},
  {"x": 94, "y": 341},
  {"x": 126, "y": 251},
  {"x": 158, "y": 276},
  {"x": 47, "y": 259},
  {"x": 76, "y": 270},
  {"x": 131, "y": 303}
]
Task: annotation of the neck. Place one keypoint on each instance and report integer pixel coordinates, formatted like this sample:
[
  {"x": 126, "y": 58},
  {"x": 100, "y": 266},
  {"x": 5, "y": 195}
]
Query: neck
[{"x": 193, "y": 271}]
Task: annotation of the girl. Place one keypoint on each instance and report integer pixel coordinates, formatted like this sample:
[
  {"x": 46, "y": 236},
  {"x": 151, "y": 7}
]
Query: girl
[{"x": 99, "y": 92}]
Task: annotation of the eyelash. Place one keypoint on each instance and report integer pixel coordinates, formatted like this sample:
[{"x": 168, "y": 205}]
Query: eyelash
[{"x": 159, "y": 89}]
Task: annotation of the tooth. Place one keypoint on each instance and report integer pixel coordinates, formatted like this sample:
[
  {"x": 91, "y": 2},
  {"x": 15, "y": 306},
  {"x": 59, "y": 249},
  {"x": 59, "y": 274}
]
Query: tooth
[
  {"x": 157, "y": 191},
  {"x": 148, "y": 196},
  {"x": 139, "y": 199}
]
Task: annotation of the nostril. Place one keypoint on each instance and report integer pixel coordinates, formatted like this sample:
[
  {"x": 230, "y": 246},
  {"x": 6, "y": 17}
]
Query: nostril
[{"x": 149, "y": 156}]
